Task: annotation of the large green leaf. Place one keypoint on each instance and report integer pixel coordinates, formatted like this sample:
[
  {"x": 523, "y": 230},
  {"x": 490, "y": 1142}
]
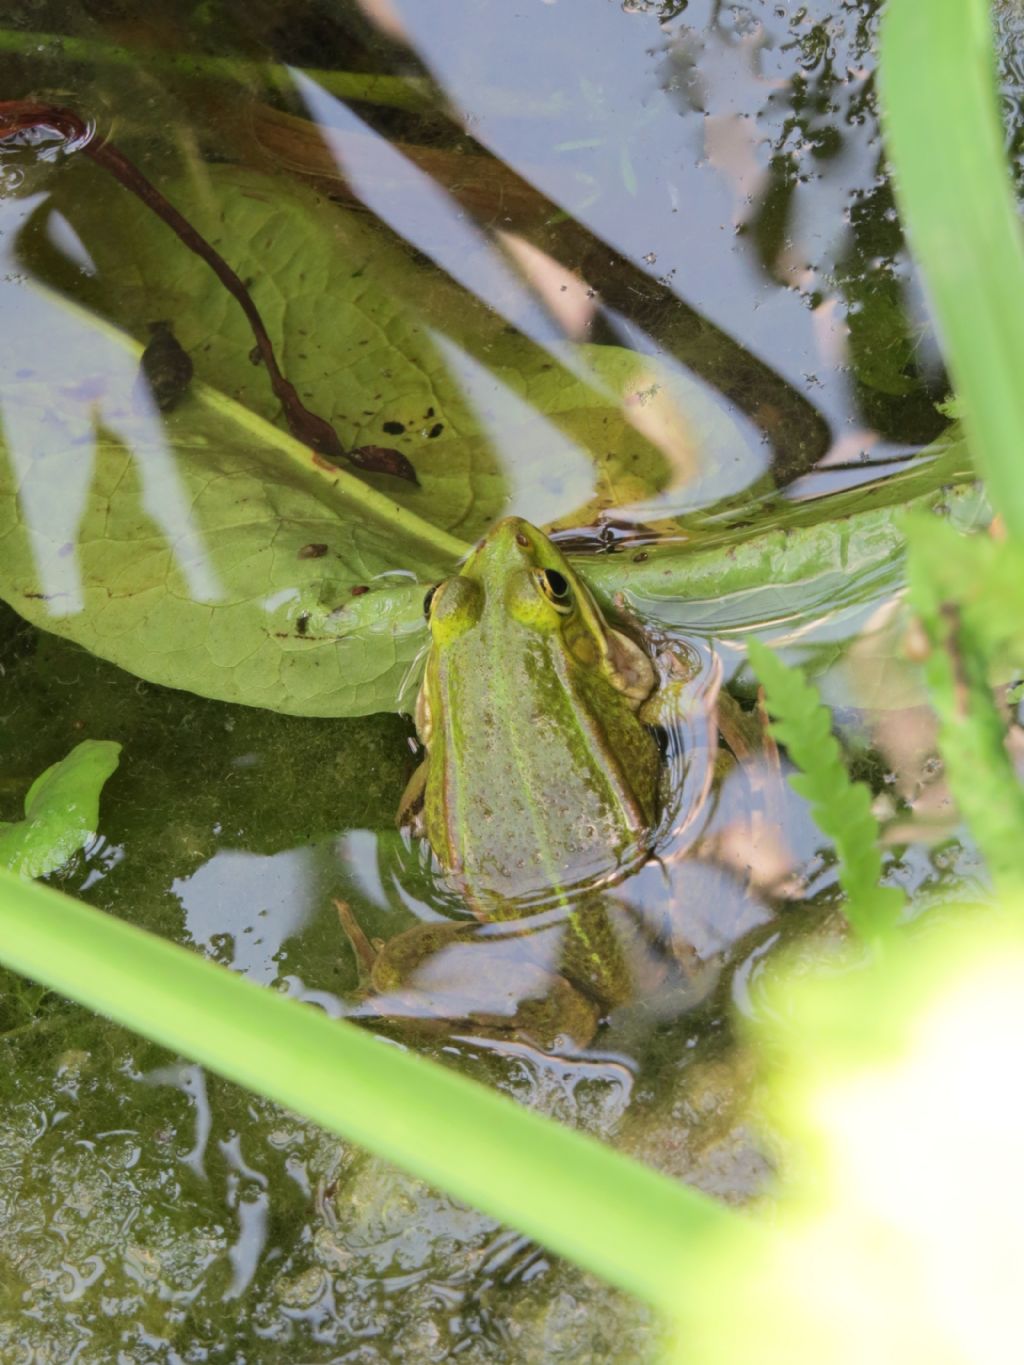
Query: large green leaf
[
  {"x": 385, "y": 347},
  {"x": 209, "y": 550}
]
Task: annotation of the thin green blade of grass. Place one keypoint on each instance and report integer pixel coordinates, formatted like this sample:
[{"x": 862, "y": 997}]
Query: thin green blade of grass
[
  {"x": 983, "y": 575},
  {"x": 608, "y": 1213},
  {"x": 966, "y": 591},
  {"x": 972, "y": 740},
  {"x": 946, "y": 143},
  {"x": 841, "y": 807}
]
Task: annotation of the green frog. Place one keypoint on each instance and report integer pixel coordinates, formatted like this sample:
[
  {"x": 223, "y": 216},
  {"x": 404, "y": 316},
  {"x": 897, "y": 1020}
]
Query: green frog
[{"x": 540, "y": 787}]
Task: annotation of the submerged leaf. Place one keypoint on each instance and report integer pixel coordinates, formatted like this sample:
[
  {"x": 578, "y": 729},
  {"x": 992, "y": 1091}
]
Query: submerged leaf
[
  {"x": 210, "y": 550},
  {"x": 796, "y": 559},
  {"x": 61, "y": 810},
  {"x": 207, "y": 550}
]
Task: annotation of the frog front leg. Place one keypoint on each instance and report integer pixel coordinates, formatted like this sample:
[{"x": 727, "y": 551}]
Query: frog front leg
[{"x": 688, "y": 685}]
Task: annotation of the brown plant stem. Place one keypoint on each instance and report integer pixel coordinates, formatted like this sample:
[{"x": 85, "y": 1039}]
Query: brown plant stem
[{"x": 20, "y": 116}]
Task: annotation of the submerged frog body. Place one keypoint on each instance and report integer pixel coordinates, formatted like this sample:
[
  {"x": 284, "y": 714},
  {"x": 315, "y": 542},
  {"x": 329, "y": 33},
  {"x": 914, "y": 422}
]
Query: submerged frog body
[
  {"x": 538, "y": 769},
  {"x": 540, "y": 782}
]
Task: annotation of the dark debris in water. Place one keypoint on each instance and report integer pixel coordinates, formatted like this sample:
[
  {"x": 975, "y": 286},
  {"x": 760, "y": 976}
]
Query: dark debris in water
[
  {"x": 166, "y": 366},
  {"x": 383, "y": 460}
]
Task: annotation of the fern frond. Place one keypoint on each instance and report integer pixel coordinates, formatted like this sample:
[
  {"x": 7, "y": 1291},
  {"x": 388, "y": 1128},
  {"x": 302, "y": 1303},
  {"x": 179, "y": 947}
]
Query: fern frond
[{"x": 840, "y": 806}]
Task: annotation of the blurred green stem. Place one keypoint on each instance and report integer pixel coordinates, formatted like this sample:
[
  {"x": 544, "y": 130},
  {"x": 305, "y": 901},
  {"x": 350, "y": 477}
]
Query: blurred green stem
[{"x": 945, "y": 138}]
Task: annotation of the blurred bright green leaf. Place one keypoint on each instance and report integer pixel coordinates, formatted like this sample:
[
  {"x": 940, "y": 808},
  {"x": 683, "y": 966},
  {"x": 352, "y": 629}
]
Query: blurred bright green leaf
[
  {"x": 897, "y": 1215},
  {"x": 983, "y": 575}
]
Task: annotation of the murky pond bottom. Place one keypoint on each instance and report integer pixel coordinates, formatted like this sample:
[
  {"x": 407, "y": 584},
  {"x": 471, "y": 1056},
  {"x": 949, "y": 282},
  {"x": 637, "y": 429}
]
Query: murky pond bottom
[
  {"x": 400, "y": 192},
  {"x": 152, "y": 1209}
]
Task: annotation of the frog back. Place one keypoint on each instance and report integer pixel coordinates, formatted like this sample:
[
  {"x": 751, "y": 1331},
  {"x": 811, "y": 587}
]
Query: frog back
[{"x": 539, "y": 777}]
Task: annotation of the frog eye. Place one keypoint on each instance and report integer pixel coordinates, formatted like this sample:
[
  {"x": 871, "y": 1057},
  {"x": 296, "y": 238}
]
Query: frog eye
[
  {"x": 555, "y": 588},
  {"x": 452, "y": 606}
]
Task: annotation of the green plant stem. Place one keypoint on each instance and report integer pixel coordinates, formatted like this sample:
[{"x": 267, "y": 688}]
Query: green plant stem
[
  {"x": 862, "y": 535},
  {"x": 614, "y": 1216},
  {"x": 945, "y": 139},
  {"x": 964, "y": 591},
  {"x": 972, "y": 740},
  {"x": 396, "y": 92}
]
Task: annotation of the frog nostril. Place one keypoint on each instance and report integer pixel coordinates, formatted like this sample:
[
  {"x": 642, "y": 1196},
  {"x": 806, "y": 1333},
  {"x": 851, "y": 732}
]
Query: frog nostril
[{"x": 523, "y": 539}]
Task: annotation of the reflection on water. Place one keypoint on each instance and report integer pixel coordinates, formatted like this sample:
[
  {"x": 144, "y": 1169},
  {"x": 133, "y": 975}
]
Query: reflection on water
[
  {"x": 628, "y": 268},
  {"x": 407, "y": 200},
  {"x": 71, "y": 386},
  {"x": 242, "y": 908}
]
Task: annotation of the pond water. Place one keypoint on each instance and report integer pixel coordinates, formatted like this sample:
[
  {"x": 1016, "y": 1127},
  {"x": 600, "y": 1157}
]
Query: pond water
[{"x": 630, "y": 270}]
